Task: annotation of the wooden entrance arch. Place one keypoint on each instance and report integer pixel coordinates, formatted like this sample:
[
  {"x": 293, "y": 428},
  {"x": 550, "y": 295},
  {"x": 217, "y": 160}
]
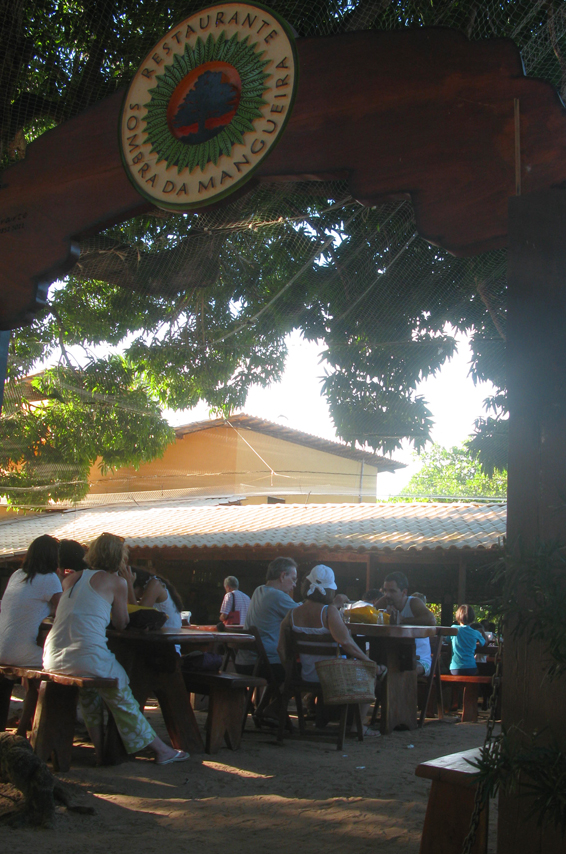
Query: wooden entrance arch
[{"x": 426, "y": 114}]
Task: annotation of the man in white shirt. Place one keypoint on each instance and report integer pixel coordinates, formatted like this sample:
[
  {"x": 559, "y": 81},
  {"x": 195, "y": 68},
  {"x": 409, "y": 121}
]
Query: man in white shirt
[
  {"x": 234, "y": 602},
  {"x": 408, "y": 610}
]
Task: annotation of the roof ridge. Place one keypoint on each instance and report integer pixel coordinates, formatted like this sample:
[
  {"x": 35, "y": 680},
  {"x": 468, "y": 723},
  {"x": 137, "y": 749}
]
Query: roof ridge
[{"x": 273, "y": 428}]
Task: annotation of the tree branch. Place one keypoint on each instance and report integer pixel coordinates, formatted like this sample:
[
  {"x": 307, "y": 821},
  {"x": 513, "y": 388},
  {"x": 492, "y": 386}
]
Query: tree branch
[
  {"x": 364, "y": 15},
  {"x": 485, "y": 298},
  {"x": 61, "y": 330},
  {"x": 194, "y": 263}
]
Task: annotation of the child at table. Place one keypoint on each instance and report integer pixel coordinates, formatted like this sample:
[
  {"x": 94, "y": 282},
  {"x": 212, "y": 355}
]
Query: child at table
[{"x": 463, "y": 662}]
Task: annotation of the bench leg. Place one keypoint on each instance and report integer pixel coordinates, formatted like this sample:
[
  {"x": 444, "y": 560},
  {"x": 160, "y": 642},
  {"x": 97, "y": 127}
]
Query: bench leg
[
  {"x": 224, "y": 721},
  {"x": 233, "y": 733},
  {"x": 6, "y": 686},
  {"x": 54, "y": 724},
  {"x": 470, "y": 704},
  {"x": 447, "y": 821},
  {"x": 28, "y": 708}
]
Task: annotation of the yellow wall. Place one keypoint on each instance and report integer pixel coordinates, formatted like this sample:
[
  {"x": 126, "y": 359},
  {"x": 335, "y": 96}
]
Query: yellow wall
[{"x": 218, "y": 461}]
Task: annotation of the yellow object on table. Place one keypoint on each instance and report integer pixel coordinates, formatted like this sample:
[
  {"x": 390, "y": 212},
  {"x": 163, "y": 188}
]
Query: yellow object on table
[
  {"x": 363, "y": 613},
  {"x": 133, "y": 608}
]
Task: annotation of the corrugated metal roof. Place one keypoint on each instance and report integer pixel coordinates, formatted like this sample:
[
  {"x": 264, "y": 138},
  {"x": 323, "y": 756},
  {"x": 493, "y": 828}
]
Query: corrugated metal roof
[
  {"x": 271, "y": 428},
  {"x": 353, "y": 527}
]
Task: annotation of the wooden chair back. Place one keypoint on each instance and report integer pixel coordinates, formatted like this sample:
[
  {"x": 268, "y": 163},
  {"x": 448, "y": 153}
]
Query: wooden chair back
[
  {"x": 305, "y": 643},
  {"x": 297, "y": 642}
]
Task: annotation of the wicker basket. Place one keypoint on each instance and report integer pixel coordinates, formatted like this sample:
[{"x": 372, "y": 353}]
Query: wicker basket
[{"x": 346, "y": 680}]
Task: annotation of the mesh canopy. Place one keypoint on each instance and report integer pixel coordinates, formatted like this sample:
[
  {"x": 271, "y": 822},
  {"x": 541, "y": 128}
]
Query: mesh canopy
[{"x": 171, "y": 309}]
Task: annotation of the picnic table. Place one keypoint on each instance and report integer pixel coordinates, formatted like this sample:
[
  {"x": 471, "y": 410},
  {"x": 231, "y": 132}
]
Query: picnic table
[
  {"x": 153, "y": 667},
  {"x": 395, "y": 647}
]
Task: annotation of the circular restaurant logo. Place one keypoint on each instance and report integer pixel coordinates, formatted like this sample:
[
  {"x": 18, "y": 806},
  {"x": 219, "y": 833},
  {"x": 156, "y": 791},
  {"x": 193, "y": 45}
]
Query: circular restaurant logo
[{"x": 208, "y": 104}]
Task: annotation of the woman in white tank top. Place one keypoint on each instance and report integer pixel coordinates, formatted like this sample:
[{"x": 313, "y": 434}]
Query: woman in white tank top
[
  {"x": 77, "y": 645},
  {"x": 317, "y": 615}
]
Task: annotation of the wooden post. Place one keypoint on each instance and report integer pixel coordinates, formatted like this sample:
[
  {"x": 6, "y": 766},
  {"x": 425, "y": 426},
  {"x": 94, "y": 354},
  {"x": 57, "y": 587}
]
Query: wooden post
[
  {"x": 447, "y": 610},
  {"x": 537, "y": 474},
  {"x": 4, "y": 343},
  {"x": 461, "y": 581}
]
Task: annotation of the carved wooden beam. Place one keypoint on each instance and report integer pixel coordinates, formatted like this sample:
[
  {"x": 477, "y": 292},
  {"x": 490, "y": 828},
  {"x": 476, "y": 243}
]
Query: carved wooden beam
[{"x": 452, "y": 124}]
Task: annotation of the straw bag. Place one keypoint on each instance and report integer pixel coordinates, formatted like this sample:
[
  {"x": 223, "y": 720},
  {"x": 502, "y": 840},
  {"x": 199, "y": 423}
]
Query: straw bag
[{"x": 346, "y": 680}]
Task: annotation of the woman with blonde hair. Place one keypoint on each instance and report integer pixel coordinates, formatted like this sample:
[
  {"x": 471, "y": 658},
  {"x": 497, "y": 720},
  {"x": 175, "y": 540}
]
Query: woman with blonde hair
[{"x": 77, "y": 645}]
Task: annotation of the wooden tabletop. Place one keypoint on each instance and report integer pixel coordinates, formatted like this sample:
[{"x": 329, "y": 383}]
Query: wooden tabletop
[
  {"x": 373, "y": 630},
  {"x": 184, "y": 635}
]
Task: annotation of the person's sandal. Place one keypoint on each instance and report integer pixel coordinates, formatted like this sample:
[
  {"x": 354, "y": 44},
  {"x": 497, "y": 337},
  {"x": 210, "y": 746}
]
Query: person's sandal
[
  {"x": 178, "y": 756},
  {"x": 370, "y": 732}
]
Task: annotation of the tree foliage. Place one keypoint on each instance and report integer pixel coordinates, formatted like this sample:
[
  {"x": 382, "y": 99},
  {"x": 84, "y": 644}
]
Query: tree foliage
[
  {"x": 48, "y": 444},
  {"x": 200, "y": 306},
  {"x": 452, "y": 473}
]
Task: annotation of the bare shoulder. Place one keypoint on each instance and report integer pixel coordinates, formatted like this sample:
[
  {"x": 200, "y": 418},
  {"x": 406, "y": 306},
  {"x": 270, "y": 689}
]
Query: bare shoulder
[
  {"x": 70, "y": 580},
  {"x": 118, "y": 582},
  {"x": 334, "y": 616},
  {"x": 108, "y": 581},
  {"x": 420, "y": 610}
]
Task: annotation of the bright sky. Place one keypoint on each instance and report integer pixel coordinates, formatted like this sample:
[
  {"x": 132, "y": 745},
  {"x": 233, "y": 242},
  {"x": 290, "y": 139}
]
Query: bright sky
[{"x": 453, "y": 399}]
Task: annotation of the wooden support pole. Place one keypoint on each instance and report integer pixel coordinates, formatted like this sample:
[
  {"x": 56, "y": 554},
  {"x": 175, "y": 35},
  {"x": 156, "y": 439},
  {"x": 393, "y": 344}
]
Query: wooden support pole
[
  {"x": 447, "y": 610},
  {"x": 536, "y": 375},
  {"x": 461, "y": 581},
  {"x": 4, "y": 343}
]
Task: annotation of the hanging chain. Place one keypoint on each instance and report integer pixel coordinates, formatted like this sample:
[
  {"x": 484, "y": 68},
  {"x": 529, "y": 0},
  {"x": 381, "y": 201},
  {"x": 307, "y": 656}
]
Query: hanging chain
[{"x": 492, "y": 745}]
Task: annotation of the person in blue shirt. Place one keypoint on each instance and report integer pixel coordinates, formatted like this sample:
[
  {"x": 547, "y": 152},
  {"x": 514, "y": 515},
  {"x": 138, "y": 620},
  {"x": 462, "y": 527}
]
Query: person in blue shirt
[{"x": 463, "y": 661}]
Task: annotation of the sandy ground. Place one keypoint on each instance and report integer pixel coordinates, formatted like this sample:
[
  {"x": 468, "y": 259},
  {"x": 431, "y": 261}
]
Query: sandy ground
[{"x": 304, "y": 796}]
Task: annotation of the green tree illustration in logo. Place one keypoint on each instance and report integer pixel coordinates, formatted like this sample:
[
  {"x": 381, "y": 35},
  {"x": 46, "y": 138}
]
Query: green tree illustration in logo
[
  {"x": 247, "y": 60},
  {"x": 209, "y": 98}
]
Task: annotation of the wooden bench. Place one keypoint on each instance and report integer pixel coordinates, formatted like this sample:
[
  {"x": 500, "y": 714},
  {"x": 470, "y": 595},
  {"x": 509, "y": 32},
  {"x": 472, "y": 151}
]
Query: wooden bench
[
  {"x": 55, "y": 713},
  {"x": 451, "y": 804},
  {"x": 11, "y": 675},
  {"x": 471, "y": 686},
  {"x": 55, "y": 716},
  {"x": 228, "y": 694}
]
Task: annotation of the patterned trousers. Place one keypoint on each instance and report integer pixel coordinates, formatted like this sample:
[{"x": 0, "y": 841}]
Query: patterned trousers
[{"x": 135, "y": 731}]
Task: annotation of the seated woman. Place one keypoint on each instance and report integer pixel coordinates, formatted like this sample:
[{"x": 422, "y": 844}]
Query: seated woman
[
  {"x": 32, "y": 594},
  {"x": 71, "y": 557},
  {"x": 318, "y": 616},
  {"x": 77, "y": 645},
  {"x": 152, "y": 591}
]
